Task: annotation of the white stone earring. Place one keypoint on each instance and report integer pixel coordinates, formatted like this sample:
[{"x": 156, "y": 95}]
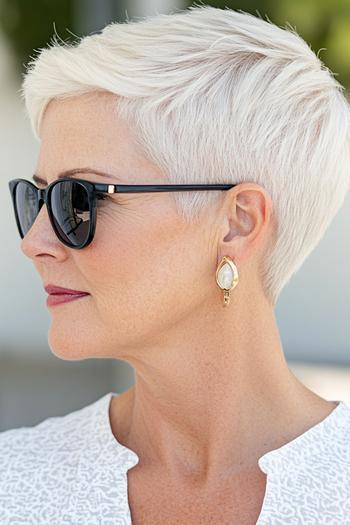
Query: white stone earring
[{"x": 227, "y": 277}]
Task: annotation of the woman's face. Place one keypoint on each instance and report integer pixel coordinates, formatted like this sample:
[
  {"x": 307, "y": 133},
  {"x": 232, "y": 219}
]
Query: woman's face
[{"x": 145, "y": 269}]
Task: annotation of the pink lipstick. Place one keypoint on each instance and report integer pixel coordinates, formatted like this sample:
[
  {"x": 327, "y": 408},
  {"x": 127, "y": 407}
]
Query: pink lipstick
[{"x": 59, "y": 295}]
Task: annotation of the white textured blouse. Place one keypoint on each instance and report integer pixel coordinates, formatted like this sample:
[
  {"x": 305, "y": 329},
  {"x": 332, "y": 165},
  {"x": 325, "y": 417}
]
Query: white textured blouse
[{"x": 71, "y": 470}]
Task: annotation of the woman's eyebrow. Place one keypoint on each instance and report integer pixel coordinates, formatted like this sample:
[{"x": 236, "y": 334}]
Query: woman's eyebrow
[{"x": 70, "y": 173}]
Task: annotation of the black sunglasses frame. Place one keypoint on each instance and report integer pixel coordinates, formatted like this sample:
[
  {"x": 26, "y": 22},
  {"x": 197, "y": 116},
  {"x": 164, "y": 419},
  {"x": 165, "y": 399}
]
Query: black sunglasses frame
[{"x": 94, "y": 191}]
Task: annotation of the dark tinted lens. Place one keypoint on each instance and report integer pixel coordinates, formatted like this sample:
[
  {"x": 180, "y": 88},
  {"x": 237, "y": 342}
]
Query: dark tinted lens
[
  {"x": 27, "y": 206},
  {"x": 71, "y": 212}
]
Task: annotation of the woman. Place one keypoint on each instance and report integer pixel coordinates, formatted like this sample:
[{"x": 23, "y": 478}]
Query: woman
[{"x": 181, "y": 284}]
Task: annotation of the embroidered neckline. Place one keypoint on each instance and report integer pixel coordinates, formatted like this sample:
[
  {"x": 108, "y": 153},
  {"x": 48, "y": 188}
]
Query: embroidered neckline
[
  {"x": 296, "y": 450},
  {"x": 273, "y": 459}
]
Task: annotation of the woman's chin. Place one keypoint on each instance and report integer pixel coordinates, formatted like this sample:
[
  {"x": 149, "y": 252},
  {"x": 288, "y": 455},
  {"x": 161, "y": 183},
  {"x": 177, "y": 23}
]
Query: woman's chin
[{"x": 67, "y": 348}]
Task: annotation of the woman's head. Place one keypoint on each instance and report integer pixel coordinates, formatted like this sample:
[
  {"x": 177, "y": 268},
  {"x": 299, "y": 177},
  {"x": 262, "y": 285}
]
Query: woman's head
[
  {"x": 205, "y": 95},
  {"x": 147, "y": 268}
]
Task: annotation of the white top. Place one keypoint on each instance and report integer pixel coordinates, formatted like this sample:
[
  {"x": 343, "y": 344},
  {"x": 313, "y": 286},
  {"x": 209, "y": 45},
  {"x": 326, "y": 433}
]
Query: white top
[{"x": 71, "y": 470}]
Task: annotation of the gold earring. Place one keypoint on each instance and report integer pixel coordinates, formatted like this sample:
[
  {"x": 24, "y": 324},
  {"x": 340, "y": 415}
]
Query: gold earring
[{"x": 227, "y": 277}]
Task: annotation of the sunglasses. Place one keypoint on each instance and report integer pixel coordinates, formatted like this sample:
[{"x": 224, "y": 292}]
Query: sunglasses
[{"x": 71, "y": 204}]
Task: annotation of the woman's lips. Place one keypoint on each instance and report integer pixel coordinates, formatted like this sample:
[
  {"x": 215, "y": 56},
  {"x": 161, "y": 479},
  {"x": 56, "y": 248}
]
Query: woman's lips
[
  {"x": 54, "y": 300},
  {"x": 59, "y": 295},
  {"x": 52, "y": 289}
]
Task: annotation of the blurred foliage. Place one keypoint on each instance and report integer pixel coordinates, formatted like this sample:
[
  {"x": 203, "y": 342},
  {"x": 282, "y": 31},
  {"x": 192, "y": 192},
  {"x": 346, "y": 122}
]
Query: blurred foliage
[
  {"x": 323, "y": 24},
  {"x": 29, "y": 25}
]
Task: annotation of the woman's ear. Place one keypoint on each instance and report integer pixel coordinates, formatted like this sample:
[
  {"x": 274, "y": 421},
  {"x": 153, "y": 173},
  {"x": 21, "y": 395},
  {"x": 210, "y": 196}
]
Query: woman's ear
[{"x": 246, "y": 221}]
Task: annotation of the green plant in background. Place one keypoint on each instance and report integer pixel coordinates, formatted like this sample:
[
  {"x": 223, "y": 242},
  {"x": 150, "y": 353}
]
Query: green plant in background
[{"x": 29, "y": 25}]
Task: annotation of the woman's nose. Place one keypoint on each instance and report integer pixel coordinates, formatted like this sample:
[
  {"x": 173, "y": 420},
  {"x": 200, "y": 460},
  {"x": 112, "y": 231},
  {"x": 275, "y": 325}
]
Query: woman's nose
[{"x": 41, "y": 238}]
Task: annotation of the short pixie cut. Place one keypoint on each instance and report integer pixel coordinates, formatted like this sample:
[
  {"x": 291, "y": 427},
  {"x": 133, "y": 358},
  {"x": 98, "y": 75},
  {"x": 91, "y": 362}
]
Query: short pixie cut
[{"x": 219, "y": 96}]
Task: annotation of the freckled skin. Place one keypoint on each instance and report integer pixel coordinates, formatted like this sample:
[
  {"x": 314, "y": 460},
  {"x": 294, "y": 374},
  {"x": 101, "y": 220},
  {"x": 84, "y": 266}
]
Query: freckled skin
[{"x": 212, "y": 391}]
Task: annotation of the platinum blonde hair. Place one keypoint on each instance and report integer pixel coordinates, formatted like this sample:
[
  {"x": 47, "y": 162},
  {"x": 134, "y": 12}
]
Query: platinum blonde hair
[{"x": 219, "y": 96}]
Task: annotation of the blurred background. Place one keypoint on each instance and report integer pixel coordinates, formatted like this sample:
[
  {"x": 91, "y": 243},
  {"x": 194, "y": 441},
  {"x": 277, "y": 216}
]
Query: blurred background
[{"x": 313, "y": 310}]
